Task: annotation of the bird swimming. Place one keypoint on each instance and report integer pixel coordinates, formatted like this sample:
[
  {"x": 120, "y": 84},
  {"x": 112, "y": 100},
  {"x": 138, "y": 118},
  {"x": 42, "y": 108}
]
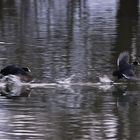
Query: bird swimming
[
  {"x": 23, "y": 72},
  {"x": 125, "y": 69}
]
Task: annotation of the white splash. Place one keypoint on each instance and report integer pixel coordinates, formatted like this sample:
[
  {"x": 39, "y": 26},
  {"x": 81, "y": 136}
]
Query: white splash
[
  {"x": 13, "y": 85},
  {"x": 3, "y": 43},
  {"x": 105, "y": 83},
  {"x": 105, "y": 79},
  {"x": 66, "y": 81}
]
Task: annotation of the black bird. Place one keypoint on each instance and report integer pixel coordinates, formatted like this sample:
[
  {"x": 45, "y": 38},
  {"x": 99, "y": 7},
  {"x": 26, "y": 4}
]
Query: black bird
[
  {"x": 24, "y": 73},
  {"x": 125, "y": 70}
]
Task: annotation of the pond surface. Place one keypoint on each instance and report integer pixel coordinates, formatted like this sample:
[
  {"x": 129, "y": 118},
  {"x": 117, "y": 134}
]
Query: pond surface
[{"x": 61, "y": 38}]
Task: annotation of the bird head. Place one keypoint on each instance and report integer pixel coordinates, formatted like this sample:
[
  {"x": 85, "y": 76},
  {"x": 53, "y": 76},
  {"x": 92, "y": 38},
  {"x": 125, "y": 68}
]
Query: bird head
[{"x": 136, "y": 63}]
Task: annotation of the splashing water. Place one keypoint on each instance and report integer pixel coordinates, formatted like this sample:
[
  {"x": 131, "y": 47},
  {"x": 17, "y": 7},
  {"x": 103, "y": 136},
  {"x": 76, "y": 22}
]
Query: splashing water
[
  {"x": 66, "y": 81},
  {"x": 13, "y": 85},
  {"x": 105, "y": 83},
  {"x": 105, "y": 79}
]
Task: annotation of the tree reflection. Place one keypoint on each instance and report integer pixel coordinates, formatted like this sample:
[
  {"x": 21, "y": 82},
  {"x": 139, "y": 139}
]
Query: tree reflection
[
  {"x": 127, "y": 21},
  {"x": 60, "y": 38}
]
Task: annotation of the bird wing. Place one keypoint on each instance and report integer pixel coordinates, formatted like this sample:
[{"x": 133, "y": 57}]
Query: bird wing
[
  {"x": 129, "y": 74},
  {"x": 123, "y": 59},
  {"x": 11, "y": 69}
]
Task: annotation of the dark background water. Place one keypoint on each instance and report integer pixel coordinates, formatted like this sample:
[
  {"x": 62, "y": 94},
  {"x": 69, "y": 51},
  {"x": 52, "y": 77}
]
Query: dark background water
[{"x": 60, "y": 38}]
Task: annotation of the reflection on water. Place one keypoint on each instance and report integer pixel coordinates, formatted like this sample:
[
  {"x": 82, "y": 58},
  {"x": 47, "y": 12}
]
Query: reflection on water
[{"x": 57, "y": 39}]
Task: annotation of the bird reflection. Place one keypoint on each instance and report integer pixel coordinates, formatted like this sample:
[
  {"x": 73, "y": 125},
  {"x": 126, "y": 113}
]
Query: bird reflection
[{"x": 125, "y": 98}]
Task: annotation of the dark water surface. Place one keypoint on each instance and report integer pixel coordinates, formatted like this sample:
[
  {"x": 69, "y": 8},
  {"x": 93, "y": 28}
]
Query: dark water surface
[{"x": 60, "y": 38}]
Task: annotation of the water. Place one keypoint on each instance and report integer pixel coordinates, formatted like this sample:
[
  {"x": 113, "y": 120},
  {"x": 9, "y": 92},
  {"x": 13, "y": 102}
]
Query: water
[{"x": 69, "y": 45}]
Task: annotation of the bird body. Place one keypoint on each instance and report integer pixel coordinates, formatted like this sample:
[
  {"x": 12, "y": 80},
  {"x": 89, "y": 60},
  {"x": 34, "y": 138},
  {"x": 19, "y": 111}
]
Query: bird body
[
  {"x": 125, "y": 69},
  {"x": 23, "y": 73}
]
